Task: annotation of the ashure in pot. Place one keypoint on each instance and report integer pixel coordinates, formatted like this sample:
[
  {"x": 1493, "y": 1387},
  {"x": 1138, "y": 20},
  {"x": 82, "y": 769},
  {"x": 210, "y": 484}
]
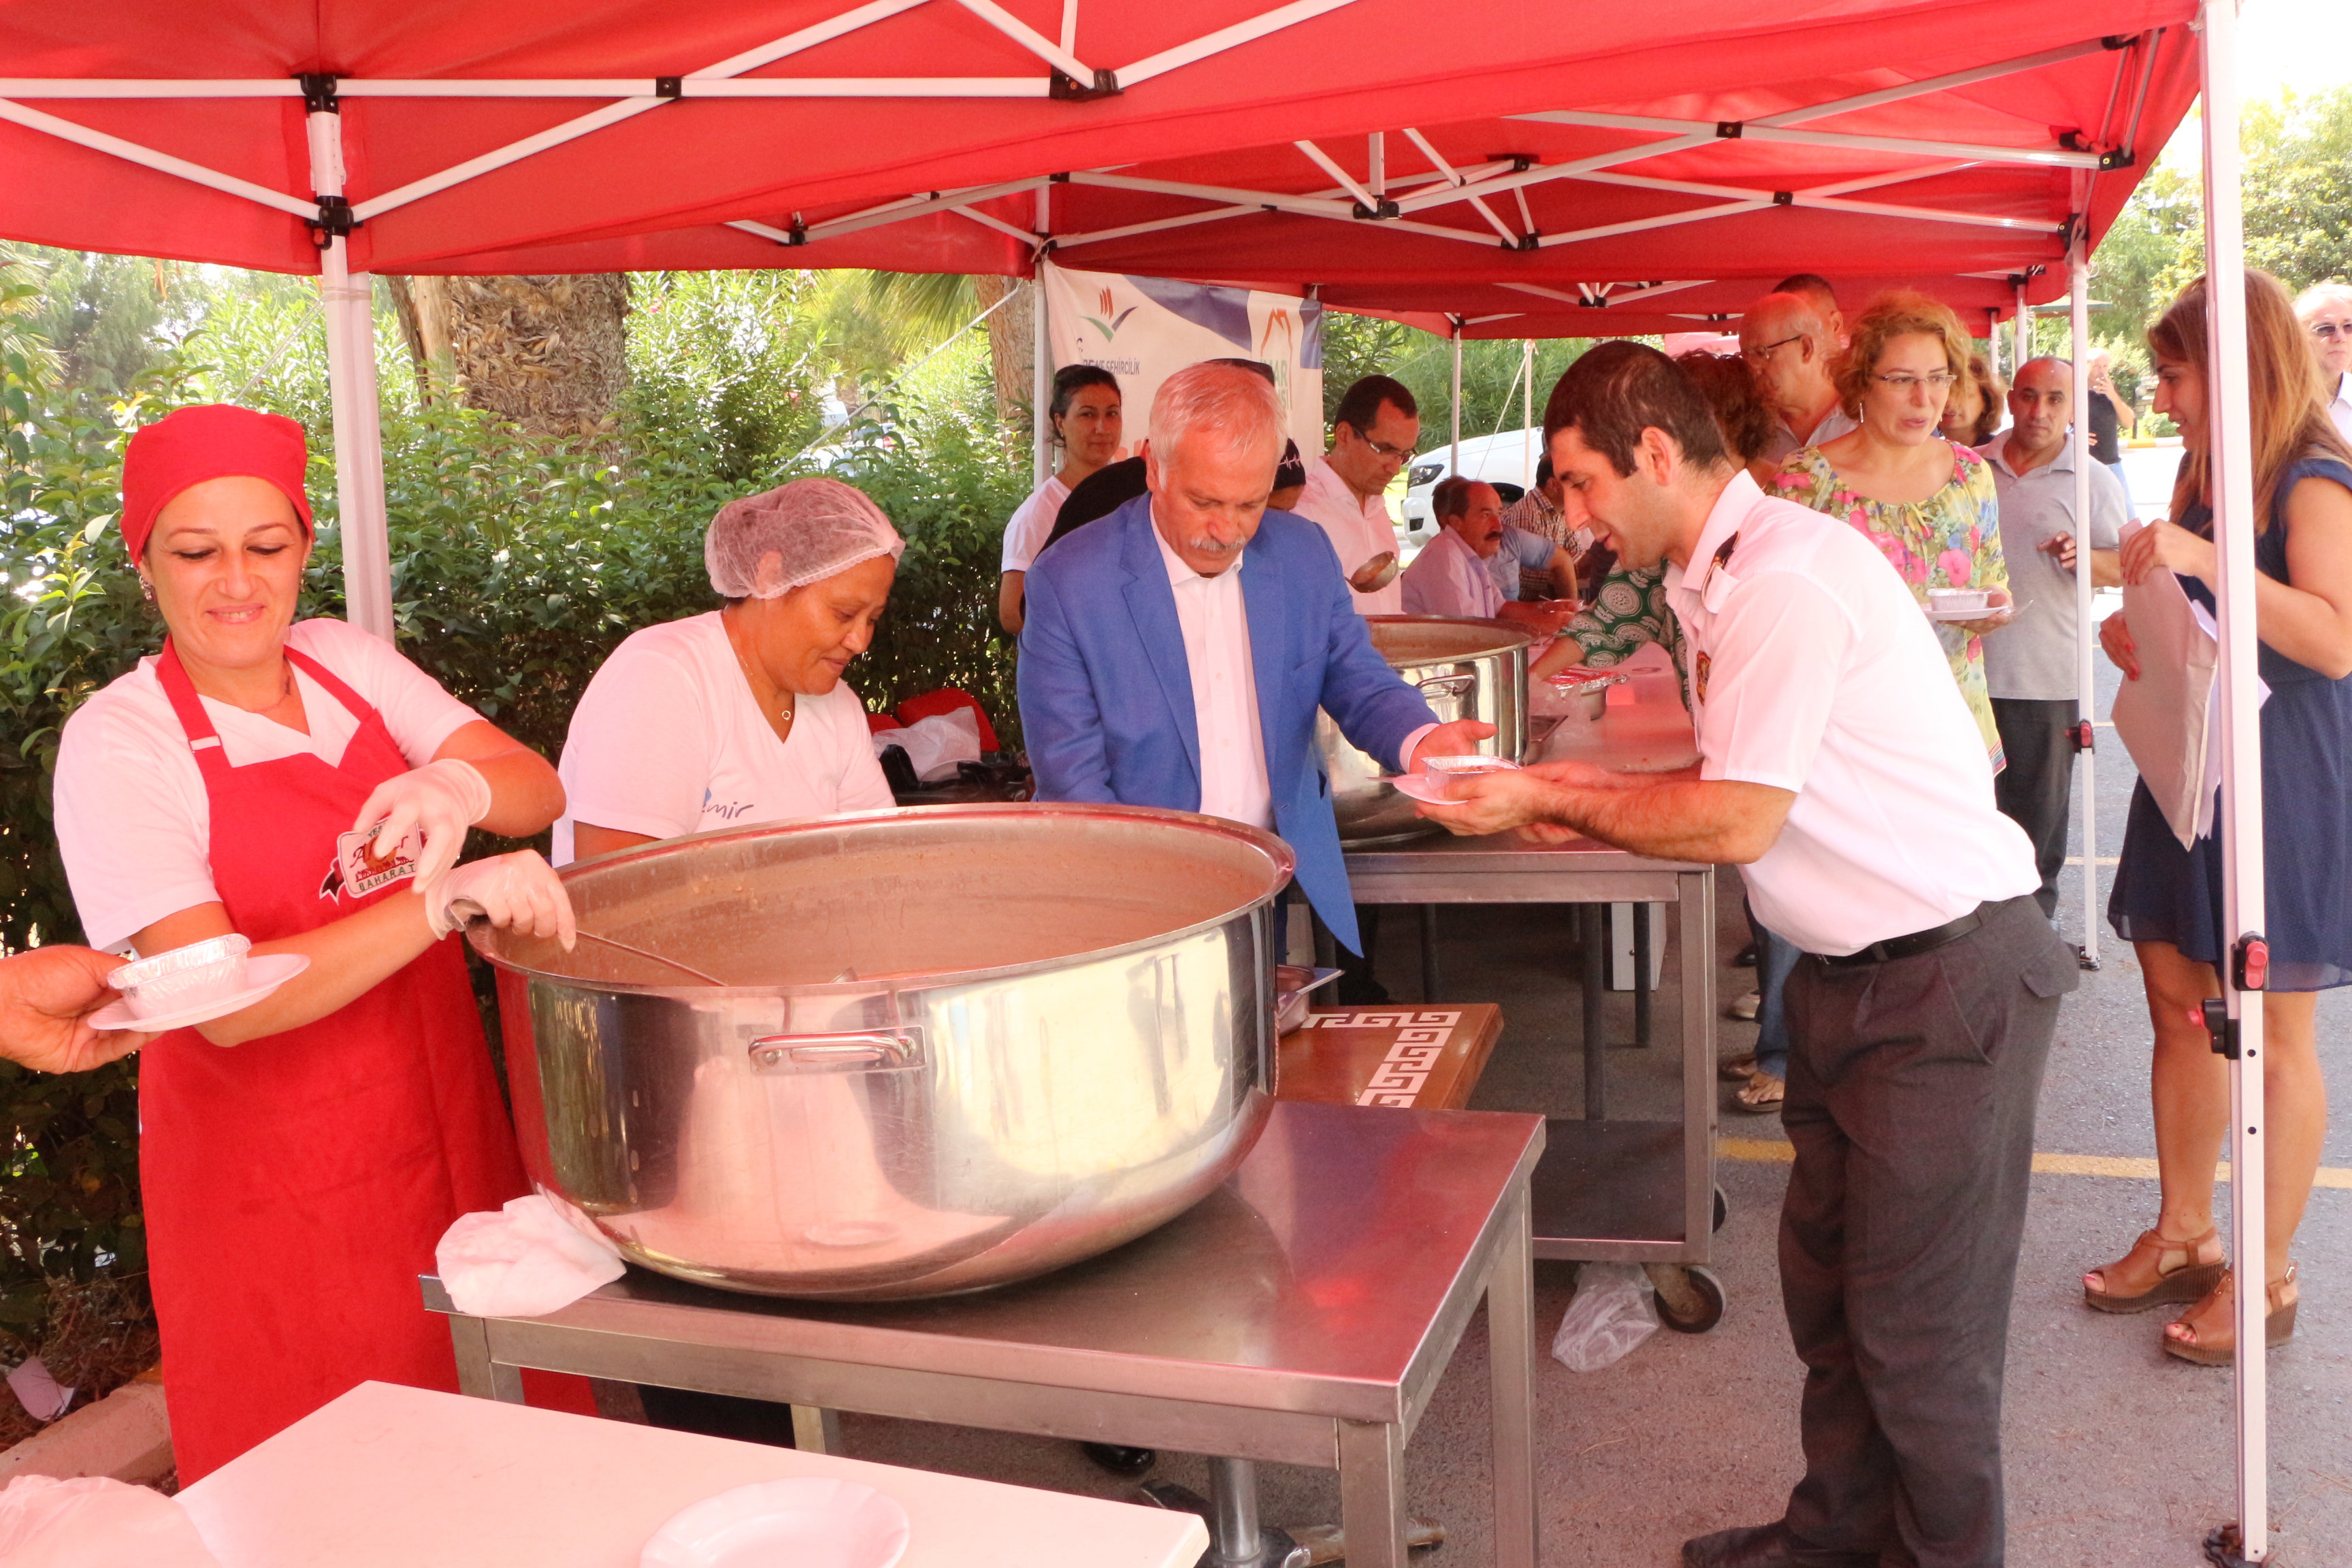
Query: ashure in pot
[
  {"x": 1465, "y": 669},
  {"x": 958, "y": 1046}
]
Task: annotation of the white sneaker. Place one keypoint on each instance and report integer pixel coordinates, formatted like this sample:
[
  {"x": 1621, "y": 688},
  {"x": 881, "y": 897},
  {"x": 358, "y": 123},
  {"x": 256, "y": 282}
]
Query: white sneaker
[{"x": 1746, "y": 1007}]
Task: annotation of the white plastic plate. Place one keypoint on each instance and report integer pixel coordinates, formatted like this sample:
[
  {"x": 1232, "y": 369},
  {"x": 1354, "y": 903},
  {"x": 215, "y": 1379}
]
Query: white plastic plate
[
  {"x": 1954, "y": 616},
  {"x": 810, "y": 1522},
  {"x": 262, "y": 975}
]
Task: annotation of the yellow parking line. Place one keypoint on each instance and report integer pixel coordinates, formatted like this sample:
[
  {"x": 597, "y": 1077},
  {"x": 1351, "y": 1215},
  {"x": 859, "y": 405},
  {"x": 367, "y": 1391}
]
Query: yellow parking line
[{"x": 1772, "y": 1151}]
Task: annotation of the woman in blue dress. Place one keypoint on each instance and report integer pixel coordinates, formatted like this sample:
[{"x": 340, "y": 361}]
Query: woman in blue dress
[{"x": 2167, "y": 899}]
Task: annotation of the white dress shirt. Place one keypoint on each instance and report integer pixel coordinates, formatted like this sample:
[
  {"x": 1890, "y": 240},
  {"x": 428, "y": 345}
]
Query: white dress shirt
[
  {"x": 1813, "y": 672},
  {"x": 2339, "y": 407},
  {"x": 1358, "y": 529},
  {"x": 1215, "y": 623},
  {"x": 1449, "y": 578}
]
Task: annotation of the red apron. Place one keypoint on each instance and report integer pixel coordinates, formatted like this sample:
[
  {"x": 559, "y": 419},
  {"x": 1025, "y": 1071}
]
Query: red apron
[{"x": 295, "y": 1186}]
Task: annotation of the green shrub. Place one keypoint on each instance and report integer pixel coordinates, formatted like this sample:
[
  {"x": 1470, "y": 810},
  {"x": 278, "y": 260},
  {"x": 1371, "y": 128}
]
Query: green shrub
[{"x": 516, "y": 568}]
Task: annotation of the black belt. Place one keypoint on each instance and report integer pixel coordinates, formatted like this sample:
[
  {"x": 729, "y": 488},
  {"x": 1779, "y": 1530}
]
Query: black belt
[{"x": 1911, "y": 946}]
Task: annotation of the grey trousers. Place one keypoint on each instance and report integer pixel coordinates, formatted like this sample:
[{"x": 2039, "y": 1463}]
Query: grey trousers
[
  {"x": 2036, "y": 790},
  {"x": 1911, "y": 1095}
]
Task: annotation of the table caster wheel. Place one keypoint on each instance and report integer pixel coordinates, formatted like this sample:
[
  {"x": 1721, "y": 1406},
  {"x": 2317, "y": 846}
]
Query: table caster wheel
[
  {"x": 1722, "y": 1209},
  {"x": 1690, "y": 1298}
]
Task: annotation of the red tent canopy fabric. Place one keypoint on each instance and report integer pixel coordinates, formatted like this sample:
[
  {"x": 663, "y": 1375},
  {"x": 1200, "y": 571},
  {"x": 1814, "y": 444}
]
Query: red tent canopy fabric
[{"x": 896, "y": 99}]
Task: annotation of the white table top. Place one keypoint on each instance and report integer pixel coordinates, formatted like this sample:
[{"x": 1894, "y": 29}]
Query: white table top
[{"x": 388, "y": 1476}]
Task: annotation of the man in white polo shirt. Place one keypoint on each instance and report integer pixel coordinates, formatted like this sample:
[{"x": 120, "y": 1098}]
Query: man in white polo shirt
[
  {"x": 1374, "y": 432},
  {"x": 1851, "y": 785},
  {"x": 2030, "y": 668}
]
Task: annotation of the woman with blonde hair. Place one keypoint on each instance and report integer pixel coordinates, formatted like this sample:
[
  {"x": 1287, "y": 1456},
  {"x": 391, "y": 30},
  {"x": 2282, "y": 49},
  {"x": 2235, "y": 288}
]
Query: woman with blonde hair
[
  {"x": 1926, "y": 502},
  {"x": 2167, "y": 901}
]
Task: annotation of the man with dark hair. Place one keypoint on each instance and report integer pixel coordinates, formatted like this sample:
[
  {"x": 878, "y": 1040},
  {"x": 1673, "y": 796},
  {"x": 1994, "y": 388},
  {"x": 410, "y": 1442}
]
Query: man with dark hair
[
  {"x": 1538, "y": 512},
  {"x": 1374, "y": 432},
  {"x": 1852, "y": 786}
]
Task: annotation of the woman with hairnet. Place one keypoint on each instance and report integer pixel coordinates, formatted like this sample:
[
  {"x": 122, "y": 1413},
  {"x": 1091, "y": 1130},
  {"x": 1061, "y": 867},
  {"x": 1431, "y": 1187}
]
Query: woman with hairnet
[{"x": 739, "y": 716}]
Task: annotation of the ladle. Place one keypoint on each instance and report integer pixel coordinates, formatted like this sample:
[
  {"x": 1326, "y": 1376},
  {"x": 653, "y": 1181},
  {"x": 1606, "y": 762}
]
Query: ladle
[{"x": 658, "y": 958}]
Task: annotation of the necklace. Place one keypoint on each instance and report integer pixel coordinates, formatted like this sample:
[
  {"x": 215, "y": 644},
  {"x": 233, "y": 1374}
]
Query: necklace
[{"x": 782, "y": 700}]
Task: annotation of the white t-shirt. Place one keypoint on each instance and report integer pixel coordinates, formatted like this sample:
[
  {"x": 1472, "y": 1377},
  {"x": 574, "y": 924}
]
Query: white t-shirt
[
  {"x": 1032, "y": 523},
  {"x": 134, "y": 820},
  {"x": 1358, "y": 529},
  {"x": 1448, "y": 578},
  {"x": 667, "y": 741},
  {"x": 1813, "y": 672}
]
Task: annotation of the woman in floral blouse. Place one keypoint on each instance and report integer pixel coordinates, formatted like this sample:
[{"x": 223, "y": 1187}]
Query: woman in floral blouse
[{"x": 1928, "y": 503}]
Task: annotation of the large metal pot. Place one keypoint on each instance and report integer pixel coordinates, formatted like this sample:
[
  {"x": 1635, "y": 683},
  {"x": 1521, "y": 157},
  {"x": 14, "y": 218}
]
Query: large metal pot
[
  {"x": 958, "y": 1046},
  {"x": 1466, "y": 670}
]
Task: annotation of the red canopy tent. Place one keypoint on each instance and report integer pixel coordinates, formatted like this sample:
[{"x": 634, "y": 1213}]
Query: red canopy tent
[{"x": 1648, "y": 167}]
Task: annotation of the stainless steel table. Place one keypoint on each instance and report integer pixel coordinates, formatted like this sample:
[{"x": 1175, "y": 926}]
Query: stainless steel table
[
  {"x": 1616, "y": 1190},
  {"x": 1302, "y": 1313}
]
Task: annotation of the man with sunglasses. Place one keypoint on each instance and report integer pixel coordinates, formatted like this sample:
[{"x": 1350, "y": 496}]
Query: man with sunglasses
[
  {"x": 1372, "y": 436},
  {"x": 1787, "y": 348},
  {"x": 2325, "y": 311}
]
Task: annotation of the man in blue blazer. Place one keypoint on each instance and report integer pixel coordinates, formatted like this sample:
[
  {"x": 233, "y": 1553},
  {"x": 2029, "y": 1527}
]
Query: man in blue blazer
[{"x": 1176, "y": 652}]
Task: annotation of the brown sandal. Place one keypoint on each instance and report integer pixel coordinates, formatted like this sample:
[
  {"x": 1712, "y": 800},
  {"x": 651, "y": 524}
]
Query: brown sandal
[
  {"x": 1737, "y": 1069},
  {"x": 2145, "y": 1265},
  {"x": 2208, "y": 1332},
  {"x": 1763, "y": 1094}
]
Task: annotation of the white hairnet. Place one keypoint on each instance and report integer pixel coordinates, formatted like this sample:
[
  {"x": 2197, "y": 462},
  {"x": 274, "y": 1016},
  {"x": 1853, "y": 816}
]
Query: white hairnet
[{"x": 813, "y": 528}]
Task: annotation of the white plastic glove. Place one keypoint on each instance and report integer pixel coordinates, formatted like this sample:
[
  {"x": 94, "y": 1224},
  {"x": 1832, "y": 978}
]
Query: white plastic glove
[
  {"x": 519, "y": 891},
  {"x": 442, "y": 799}
]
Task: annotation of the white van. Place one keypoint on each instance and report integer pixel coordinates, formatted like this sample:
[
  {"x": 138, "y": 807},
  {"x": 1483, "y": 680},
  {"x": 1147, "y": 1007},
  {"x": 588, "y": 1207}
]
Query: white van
[{"x": 1503, "y": 460}]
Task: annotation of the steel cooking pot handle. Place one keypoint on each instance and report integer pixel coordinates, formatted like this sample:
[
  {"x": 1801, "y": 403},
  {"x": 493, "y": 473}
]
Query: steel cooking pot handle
[
  {"x": 1449, "y": 685},
  {"x": 857, "y": 1050}
]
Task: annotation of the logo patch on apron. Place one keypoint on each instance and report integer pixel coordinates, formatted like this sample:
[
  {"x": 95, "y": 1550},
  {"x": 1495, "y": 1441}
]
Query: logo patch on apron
[{"x": 364, "y": 869}]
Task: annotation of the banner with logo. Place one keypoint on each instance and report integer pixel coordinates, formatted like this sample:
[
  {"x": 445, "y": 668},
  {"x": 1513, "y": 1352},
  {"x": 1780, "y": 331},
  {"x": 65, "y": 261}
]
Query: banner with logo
[{"x": 1144, "y": 330}]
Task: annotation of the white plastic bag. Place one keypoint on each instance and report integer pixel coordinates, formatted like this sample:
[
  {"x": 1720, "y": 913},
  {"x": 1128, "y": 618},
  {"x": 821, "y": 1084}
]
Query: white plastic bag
[
  {"x": 935, "y": 746},
  {"x": 1612, "y": 1313},
  {"x": 528, "y": 1260},
  {"x": 94, "y": 1522}
]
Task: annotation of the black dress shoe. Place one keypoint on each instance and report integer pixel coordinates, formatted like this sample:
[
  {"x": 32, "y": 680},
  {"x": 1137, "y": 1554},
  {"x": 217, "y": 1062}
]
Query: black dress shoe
[
  {"x": 1120, "y": 1461},
  {"x": 1744, "y": 958},
  {"x": 1766, "y": 1546}
]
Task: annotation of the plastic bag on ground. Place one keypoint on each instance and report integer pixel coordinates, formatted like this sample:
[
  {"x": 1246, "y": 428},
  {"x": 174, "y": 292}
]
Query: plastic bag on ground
[
  {"x": 527, "y": 1260},
  {"x": 95, "y": 1522},
  {"x": 935, "y": 746},
  {"x": 1612, "y": 1313}
]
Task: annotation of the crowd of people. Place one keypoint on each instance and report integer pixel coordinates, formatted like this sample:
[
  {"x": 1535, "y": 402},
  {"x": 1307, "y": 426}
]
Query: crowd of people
[{"x": 1894, "y": 786}]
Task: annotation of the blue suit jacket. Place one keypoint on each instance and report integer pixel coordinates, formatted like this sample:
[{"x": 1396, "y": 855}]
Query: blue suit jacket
[{"x": 1106, "y": 694}]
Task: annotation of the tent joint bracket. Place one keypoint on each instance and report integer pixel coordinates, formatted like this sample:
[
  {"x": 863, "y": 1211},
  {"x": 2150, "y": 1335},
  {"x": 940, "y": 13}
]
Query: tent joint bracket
[
  {"x": 2221, "y": 1028},
  {"x": 2250, "y": 962},
  {"x": 1067, "y": 88},
  {"x": 1731, "y": 130},
  {"x": 334, "y": 221},
  {"x": 670, "y": 86},
  {"x": 1387, "y": 209},
  {"x": 1784, "y": 198},
  {"x": 318, "y": 94}
]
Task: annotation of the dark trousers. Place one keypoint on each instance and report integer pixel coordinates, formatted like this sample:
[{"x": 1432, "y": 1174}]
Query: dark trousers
[
  {"x": 1911, "y": 1092},
  {"x": 2036, "y": 790}
]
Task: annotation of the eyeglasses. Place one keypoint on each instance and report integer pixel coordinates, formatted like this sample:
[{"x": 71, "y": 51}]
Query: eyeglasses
[
  {"x": 1382, "y": 449},
  {"x": 1902, "y": 384},
  {"x": 1758, "y": 356},
  {"x": 2331, "y": 330}
]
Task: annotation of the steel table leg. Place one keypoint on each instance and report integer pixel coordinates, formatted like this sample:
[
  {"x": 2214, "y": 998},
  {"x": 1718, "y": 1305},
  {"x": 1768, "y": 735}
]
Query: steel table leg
[
  {"x": 477, "y": 1375},
  {"x": 1642, "y": 937},
  {"x": 816, "y": 1431},
  {"x": 1428, "y": 954},
  {"x": 1371, "y": 1493},
  {"x": 1510, "y": 1355},
  {"x": 1592, "y": 929}
]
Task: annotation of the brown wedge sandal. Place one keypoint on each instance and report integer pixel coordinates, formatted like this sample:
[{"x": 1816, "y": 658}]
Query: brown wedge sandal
[
  {"x": 2156, "y": 1272},
  {"x": 2208, "y": 1332}
]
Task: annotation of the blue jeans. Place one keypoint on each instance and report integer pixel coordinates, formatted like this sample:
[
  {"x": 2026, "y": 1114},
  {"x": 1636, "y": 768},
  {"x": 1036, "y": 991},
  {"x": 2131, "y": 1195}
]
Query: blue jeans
[{"x": 1776, "y": 960}]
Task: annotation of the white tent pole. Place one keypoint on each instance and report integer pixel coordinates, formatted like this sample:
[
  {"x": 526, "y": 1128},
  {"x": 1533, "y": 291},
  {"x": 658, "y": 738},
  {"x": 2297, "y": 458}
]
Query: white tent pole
[
  {"x": 2078, "y": 284},
  {"x": 1454, "y": 465},
  {"x": 2020, "y": 335},
  {"x": 2229, "y": 437},
  {"x": 349, "y": 300},
  {"x": 1040, "y": 379},
  {"x": 1527, "y": 416}
]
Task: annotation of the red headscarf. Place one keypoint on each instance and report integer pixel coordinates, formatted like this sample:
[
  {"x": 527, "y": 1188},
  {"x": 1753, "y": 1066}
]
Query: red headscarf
[{"x": 207, "y": 441}]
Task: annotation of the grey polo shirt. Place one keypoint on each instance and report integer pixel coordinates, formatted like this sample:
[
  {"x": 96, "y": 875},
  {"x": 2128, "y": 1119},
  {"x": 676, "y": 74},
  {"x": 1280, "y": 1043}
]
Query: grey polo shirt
[{"x": 2035, "y": 658}]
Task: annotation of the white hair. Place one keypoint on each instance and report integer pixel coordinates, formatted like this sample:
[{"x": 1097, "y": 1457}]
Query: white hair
[
  {"x": 1235, "y": 406},
  {"x": 2318, "y": 295}
]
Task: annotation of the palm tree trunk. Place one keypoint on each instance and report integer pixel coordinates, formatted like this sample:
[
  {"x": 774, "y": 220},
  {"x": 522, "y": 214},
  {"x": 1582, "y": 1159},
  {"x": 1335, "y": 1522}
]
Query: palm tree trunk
[
  {"x": 548, "y": 352},
  {"x": 1012, "y": 351}
]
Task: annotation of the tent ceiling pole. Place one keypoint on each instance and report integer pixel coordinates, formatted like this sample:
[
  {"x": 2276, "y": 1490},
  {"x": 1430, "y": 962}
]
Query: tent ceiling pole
[
  {"x": 349, "y": 300},
  {"x": 148, "y": 158},
  {"x": 1225, "y": 39},
  {"x": 2078, "y": 273},
  {"x": 1029, "y": 38},
  {"x": 1934, "y": 84},
  {"x": 1528, "y": 414},
  {"x": 1755, "y": 131},
  {"x": 2230, "y": 429},
  {"x": 1041, "y": 370}
]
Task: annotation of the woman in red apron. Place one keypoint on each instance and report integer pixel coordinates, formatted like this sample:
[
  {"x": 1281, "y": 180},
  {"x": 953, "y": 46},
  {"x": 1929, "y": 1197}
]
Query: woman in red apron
[{"x": 301, "y": 1157}]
